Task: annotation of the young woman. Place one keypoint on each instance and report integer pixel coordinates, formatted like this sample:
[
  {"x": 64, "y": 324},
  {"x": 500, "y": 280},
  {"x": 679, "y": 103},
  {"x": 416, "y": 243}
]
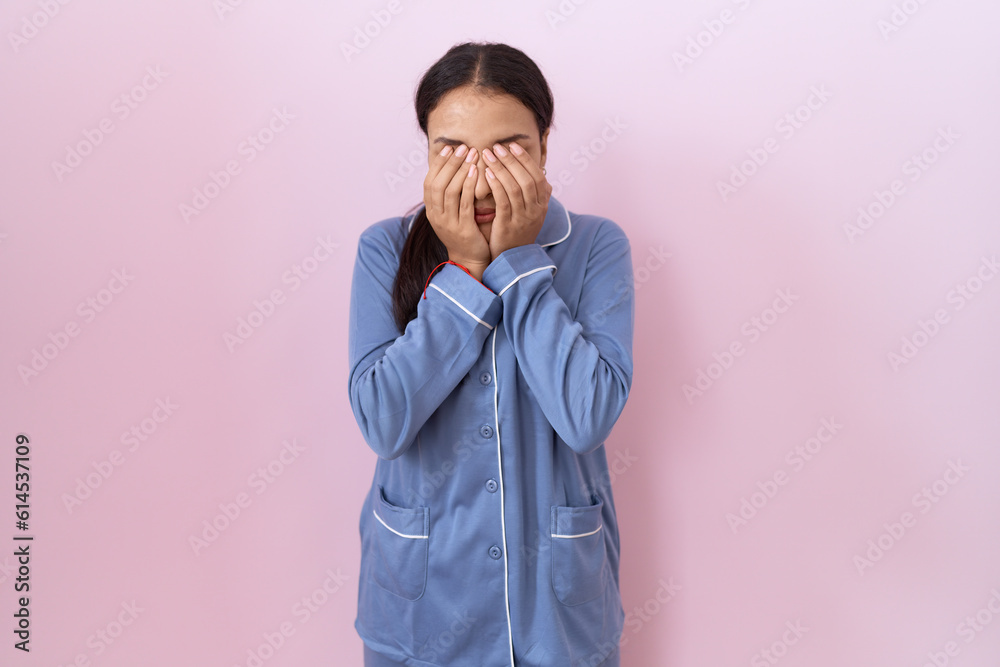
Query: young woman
[{"x": 490, "y": 356}]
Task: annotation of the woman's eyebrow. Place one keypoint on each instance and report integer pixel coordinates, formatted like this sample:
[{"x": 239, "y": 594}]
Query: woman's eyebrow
[{"x": 505, "y": 140}]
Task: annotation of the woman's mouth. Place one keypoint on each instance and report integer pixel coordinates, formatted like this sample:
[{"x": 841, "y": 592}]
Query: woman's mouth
[{"x": 484, "y": 215}]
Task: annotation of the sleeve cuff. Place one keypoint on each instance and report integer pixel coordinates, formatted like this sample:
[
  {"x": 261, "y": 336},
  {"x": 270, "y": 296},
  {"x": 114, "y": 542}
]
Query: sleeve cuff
[
  {"x": 462, "y": 292},
  {"x": 515, "y": 263}
]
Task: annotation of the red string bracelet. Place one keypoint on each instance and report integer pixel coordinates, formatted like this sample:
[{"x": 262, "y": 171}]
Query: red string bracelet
[{"x": 456, "y": 264}]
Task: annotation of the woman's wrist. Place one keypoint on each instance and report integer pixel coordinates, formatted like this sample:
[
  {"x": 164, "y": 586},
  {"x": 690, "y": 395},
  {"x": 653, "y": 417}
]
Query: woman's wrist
[{"x": 474, "y": 268}]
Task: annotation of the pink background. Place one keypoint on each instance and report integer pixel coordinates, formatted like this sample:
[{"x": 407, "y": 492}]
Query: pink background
[{"x": 700, "y": 587}]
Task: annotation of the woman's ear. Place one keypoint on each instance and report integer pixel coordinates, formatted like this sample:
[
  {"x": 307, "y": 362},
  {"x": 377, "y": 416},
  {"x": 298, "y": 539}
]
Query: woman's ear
[{"x": 543, "y": 143}]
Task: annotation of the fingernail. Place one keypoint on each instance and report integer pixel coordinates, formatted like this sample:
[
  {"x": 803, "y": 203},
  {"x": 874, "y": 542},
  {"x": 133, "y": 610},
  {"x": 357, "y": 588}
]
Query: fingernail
[
  {"x": 445, "y": 150},
  {"x": 461, "y": 150},
  {"x": 489, "y": 155},
  {"x": 472, "y": 156},
  {"x": 499, "y": 150},
  {"x": 517, "y": 150},
  {"x": 489, "y": 172}
]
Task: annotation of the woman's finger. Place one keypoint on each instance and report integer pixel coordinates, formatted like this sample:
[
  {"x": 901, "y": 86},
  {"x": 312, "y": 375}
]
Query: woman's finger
[
  {"x": 436, "y": 186},
  {"x": 466, "y": 209},
  {"x": 499, "y": 166},
  {"x": 519, "y": 183},
  {"x": 534, "y": 171},
  {"x": 499, "y": 195},
  {"x": 437, "y": 161},
  {"x": 454, "y": 188}
]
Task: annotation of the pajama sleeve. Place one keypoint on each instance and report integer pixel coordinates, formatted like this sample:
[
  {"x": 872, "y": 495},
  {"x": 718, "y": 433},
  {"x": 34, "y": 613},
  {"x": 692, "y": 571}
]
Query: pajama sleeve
[
  {"x": 397, "y": 380},
  {"x": 578, "y": 367}
]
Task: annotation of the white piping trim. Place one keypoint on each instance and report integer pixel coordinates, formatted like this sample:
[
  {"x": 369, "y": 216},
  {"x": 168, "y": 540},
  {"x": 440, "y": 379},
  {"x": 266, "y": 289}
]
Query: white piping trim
[
  {"x": 569, "y": 228},
  {"x": 581, "y": 534},
  {"x": 412, "y": 537},
  {"x": 471, "y": 314},
  {"x": 503, "y": 527},
  {"x": 526, "y": 273}
]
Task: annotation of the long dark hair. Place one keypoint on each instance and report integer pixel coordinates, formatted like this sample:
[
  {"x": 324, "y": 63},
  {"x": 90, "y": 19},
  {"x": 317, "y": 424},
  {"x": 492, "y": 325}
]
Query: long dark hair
[{"x": 489, "y": 67}]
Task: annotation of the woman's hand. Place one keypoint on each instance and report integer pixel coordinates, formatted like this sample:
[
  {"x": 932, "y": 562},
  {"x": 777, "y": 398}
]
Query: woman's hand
[
  {"x": 449, "y": 192},
  {"x": 522, "y": 196}
]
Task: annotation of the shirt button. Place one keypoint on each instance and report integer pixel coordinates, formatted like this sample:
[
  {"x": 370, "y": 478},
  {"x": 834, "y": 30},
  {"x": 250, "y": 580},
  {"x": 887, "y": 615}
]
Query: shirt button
[
  {"x": 491, "y": 485},
  {"x": 486, "y": 431},
  {"x": 495, "y": 552},
  {"x": 485, "y": 377}
]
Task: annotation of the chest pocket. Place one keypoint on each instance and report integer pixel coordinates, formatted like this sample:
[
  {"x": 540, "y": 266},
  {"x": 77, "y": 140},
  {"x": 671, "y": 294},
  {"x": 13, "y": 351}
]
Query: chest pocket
[
  {"x": 400, "y": 547},
  {"x": 579, "y": 558}
]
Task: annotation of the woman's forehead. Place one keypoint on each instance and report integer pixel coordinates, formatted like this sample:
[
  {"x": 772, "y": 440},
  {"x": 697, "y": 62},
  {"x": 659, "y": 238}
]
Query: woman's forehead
[{"x": 462, "y": 109}]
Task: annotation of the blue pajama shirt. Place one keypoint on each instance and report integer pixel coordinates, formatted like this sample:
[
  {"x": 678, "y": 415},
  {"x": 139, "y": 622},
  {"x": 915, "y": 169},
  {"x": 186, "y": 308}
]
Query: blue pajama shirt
[{"x": 489, "y": 535}]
